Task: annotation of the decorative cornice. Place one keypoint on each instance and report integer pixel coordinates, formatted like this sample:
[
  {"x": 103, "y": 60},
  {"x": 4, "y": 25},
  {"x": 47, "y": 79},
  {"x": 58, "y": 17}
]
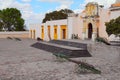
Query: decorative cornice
[{"x": 114, "y": 8}]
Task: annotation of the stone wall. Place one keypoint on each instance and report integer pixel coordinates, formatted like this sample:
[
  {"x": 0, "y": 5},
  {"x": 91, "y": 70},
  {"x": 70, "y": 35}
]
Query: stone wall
[
  {"x": 18, "y": 34},
  {"x": 109, "y": 53}
]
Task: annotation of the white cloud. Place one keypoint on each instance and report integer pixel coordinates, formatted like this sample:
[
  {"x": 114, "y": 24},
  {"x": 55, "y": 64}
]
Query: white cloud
[
  {"x": 78, "y": 10},
  {"x": 81, "y": 7},
  {"x": 63, "y": 3},
  {"x": 25, "y": 8},
  {"x": 58, "y": 1},
  {"x": 35, "y": 18},
  {"x": 62, "y": 7},
  {"x": 31, "y": 17},
  {"x": 26, "y": 0},
  {"x": 21, "y": 6},
  {"x": 5, "y": 3}
]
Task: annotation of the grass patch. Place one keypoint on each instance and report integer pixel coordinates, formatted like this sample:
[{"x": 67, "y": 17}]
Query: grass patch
[
  {"x": 82, "y": 66},
  {"x": 17, "y": 39},
  {"x": 9, "y": 38}
]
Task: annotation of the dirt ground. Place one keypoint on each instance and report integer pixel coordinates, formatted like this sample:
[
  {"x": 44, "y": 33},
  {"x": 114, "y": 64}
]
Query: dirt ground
[{"x": 19, "y": 61}]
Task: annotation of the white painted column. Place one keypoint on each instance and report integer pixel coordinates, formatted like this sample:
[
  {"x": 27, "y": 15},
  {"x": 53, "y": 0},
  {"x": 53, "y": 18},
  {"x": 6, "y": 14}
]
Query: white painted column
[
  {"x": 70, "y": 27},
  {"x": 94, "y": 35},
  {"x": 86, "y": 35},
  {"x": 30, "y": 34},
  {"x": 37, "y": 31},
  {"x": 83, "y": 35},
  {"x": 52, "y": 31},
  {"x": 45, "y": 33},
  {"x": 58, "y": 31},
  {"x": 40, "y": 33}
]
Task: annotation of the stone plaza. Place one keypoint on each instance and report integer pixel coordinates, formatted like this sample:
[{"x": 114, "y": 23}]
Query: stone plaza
[{"x": 20, "y": 61}]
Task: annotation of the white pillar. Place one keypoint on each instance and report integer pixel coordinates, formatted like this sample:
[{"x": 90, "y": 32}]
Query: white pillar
[
  {"x": 83, "y": 35},
  {"x": 86, "y": 35},
  {"x": 52, "y": 31},
  {"x": 94, "y": 35},
  {"x": 40, "y": 31},
  {"x": 30, "y": 34},
  {"x": 46, "y": 33},
  {"x": 58, "y": 31},
  {"x": 70, "y": 27}
]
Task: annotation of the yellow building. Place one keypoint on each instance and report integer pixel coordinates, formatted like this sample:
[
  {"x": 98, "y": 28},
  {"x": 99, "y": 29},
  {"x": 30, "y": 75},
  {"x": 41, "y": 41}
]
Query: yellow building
[{"x": 88, "y": 24}]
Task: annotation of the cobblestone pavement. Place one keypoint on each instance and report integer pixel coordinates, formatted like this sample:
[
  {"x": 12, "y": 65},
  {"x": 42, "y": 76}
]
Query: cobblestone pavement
[{"x": 19, "y": 61}]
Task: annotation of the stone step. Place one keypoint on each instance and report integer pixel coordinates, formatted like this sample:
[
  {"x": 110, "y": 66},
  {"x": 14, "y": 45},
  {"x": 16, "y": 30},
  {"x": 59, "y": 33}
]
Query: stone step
[
  {"x": 69, "y": 43},
  {"x": 115, "y": 43},
  {"x": 71, "y": 52}
]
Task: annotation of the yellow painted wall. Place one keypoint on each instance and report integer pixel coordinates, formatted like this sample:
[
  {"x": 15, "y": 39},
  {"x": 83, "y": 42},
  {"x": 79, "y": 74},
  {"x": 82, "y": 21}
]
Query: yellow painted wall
[
  {"x": 63, "y": 31},
  {"x": 30, "y": 33},
  {"x": 55, "y": 32},
  {"x": 90, "y": 9},
  {"x": 84, "y": 26},
  {"x": 48, "y": 29},
  {"x": 34, "y": 34},
  {"x": 42, "y": 32},
  {"x": 49, "y": 35}
]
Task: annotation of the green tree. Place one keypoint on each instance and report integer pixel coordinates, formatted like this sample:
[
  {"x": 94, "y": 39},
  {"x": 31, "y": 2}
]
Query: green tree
[
  {"x": 113, "y": 27},
  {"x": 56, "y": 15},
  {"x": 1, "y": 26},
  {"x": 10, "y": 20}
]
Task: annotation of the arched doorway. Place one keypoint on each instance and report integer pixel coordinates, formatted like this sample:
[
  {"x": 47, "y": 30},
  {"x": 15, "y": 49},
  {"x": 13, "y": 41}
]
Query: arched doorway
[
  {"x": 55, "y": 32},
  {"x": 42, "y": 32},
  {"x": 63, "y": 31},
  {"x": 90, "y": 30}
]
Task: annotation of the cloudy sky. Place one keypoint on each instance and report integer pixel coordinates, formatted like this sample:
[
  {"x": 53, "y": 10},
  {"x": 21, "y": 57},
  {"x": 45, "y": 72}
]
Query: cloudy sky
[{"x": 33, "y": 11}]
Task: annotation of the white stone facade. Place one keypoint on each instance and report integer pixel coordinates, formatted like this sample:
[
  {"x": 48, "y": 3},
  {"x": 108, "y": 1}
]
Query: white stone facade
[{"x": 88, "y": 24}]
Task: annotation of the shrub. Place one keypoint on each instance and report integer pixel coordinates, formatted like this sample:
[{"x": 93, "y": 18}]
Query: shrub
[
  {"x": 9, "y": 38},
  {"x": 17, "y": 39},
  {"x": 39, "y": 39},
  {"x": 113, "y": 27},
  {"x": 103, "y": 40},
  {"x": 75, "y": 36}
]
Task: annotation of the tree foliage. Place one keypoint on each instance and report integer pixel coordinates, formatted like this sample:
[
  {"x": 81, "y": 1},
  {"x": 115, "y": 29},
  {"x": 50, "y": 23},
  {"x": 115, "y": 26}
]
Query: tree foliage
[
  {"x": 56, "y": 15},
  {"x": 113, "y": 27},
  {"x": 10, "y": 20}
]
